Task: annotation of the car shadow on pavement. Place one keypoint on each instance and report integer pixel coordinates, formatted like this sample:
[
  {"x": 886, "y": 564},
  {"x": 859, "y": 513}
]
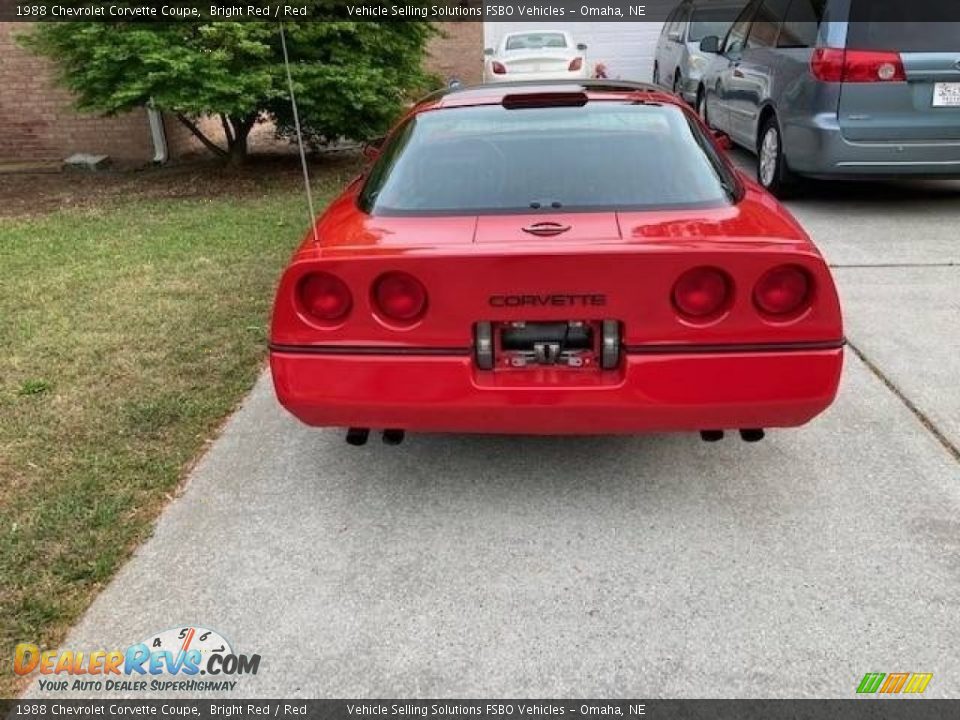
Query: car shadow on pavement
[
  {"x": 484, "y": 475},
  {"x": 883, "y": 192}
]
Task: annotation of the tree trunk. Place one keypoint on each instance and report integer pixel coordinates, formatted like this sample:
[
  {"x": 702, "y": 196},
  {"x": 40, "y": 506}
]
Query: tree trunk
[
  {"x": 237, "y": 130},
  {"x": 207, "y": 143},
  {"x": 238, "y": 150}
]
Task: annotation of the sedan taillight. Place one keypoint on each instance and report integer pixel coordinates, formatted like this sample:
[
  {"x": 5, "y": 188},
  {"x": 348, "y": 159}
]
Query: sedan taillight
[
  {"x": 575, "y": 64},
  {"x": 857, "y": 66},
  {"x": 324, "y": 297},
  {"x": 498, "y": 68}
]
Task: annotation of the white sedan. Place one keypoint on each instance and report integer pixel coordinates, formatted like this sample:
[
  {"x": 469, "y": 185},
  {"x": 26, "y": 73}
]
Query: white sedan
[{"x": 546, "y": 55}]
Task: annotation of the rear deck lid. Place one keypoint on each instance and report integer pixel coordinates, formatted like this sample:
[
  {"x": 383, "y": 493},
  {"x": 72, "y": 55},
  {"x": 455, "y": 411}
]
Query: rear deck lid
[{"x": 558, "y": 229}]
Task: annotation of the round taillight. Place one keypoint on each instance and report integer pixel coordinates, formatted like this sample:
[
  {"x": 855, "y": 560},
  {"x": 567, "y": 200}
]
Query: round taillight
[
  {"x": 400, "y": 297},
  {"x": 702, "y": 293},
  {"x": 783, "y": 291},
  {"x": 887, "y": 71},
  {"x": 324, "y": 297}
]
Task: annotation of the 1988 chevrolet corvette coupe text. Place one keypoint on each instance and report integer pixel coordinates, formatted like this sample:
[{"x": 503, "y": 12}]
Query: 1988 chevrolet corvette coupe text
[{"x": 555, "y": 259}]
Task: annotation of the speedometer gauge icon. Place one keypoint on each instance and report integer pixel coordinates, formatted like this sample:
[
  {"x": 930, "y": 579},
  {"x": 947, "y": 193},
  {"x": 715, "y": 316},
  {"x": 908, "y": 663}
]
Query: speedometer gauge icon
[{"x": 191, "y": 637}]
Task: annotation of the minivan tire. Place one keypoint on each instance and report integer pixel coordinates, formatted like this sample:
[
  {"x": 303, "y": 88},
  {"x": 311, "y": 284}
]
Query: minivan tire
[{"x": 772, "y": 170}]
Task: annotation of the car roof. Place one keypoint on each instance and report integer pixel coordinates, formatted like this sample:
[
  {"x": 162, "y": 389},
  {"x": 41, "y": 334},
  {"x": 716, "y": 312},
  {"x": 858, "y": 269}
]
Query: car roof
[
  {"x": 537, "y": 32},
  {"x": 494, "y": 93}
]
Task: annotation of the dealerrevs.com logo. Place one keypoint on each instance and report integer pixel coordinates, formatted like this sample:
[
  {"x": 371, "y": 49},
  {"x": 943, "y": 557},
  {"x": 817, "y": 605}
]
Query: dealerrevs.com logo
[{"x": 189, "y": 659}]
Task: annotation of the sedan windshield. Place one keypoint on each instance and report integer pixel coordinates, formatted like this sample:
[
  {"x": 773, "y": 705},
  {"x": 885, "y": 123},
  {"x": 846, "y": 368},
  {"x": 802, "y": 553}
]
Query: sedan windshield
[
  {"x": 536, "y": 41},
  {"x": 604, "y": 155}
]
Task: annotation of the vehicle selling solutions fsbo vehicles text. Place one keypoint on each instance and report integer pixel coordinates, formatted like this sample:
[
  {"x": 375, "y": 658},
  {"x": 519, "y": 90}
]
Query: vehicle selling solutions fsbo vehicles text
[
  {"x": 550, "y": 11},
  {"x": 413, "y": 11}
]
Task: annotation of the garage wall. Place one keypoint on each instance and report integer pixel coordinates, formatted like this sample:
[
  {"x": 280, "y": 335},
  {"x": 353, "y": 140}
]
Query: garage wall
[
  {"x": 457, "y": 52},
  {"x": 627, "y": 48}
]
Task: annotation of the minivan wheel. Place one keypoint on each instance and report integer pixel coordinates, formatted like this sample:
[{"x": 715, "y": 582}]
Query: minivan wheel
[
  {"x": 656, "y": 74},
  {"x": 772, "y": 170},
  {"x": 676, "y": 83}
]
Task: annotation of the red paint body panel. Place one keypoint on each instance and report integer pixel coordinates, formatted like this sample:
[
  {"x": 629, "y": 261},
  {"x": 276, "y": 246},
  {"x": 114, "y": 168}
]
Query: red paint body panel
[
  {"x": 739, "y": 370},
  {"x": 648, "y": 394}
]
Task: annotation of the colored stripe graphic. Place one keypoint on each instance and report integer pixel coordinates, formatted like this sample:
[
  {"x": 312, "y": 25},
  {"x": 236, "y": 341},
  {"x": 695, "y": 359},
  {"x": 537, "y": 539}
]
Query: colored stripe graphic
[
  {"x": 918, "y": 682},
  {"x": 870, "y": 682},
  {"x": 894, "y": 682}
]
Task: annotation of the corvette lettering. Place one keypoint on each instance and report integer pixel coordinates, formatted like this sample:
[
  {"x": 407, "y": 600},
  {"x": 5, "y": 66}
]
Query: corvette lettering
[{"x": 560, "y": 300}]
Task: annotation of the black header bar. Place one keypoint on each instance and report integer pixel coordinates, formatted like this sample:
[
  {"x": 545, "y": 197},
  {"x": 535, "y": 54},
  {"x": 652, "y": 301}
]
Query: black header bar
[{"x": 431, "y": 10}]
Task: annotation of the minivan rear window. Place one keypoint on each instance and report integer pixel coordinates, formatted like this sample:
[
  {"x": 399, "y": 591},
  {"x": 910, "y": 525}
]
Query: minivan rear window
[
  {"x": 905, "y": 36},
  {"x": 903, "y": 26}
]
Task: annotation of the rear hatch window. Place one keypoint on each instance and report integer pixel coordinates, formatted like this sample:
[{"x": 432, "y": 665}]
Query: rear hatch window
[
  {"x": 605, "y": 155},
  {"x": 906, "y": 36}
]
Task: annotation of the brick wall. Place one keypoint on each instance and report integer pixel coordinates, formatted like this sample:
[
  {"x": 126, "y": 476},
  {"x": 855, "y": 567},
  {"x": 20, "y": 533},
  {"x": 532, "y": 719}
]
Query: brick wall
[
  {"x": 457, "y": 51},
  {"x": 38, "y": 120}
]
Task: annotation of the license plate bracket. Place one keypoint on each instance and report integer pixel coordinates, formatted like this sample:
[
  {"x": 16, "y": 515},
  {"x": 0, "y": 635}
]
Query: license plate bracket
[{"x": 574, "y": 344}]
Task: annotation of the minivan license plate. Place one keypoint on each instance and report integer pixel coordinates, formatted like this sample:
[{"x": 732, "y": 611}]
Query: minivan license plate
[{"x": 946, "y": 95}]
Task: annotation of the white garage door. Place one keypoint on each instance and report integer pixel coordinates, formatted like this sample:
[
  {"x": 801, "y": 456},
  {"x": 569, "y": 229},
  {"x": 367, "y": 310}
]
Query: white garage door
[{"x": 626, "y": 48}]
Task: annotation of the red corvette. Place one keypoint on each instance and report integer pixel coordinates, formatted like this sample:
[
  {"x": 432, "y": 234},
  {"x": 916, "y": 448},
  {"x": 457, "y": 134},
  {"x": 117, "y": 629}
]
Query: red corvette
[{"x": 555, "y": 259}]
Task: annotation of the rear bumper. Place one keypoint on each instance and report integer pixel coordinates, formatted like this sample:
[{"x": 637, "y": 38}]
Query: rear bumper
[
  {"x": 649, "y": 393},
  {"x": 816, "y": 146}
]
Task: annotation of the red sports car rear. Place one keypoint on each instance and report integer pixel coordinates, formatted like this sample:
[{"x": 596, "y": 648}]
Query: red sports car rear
[{"x": 556, "y": 259}]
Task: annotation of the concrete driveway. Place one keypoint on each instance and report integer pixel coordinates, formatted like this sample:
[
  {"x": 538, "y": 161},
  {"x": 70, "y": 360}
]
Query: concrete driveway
[{"x": 654, "y": 566}]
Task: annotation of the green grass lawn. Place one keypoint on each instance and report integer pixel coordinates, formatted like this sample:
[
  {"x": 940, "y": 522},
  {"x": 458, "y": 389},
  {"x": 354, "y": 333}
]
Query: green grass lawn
[{"x": 130, "y": 330}]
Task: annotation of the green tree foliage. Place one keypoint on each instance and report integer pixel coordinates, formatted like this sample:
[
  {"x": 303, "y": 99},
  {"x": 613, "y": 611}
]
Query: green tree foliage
[{"x": 351, "y": 78}]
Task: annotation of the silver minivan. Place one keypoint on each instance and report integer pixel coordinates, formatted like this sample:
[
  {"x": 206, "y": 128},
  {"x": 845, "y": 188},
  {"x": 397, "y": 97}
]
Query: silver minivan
[
  {"x": 679, "y": 64},
  {"x": 838, "y": 88}
]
